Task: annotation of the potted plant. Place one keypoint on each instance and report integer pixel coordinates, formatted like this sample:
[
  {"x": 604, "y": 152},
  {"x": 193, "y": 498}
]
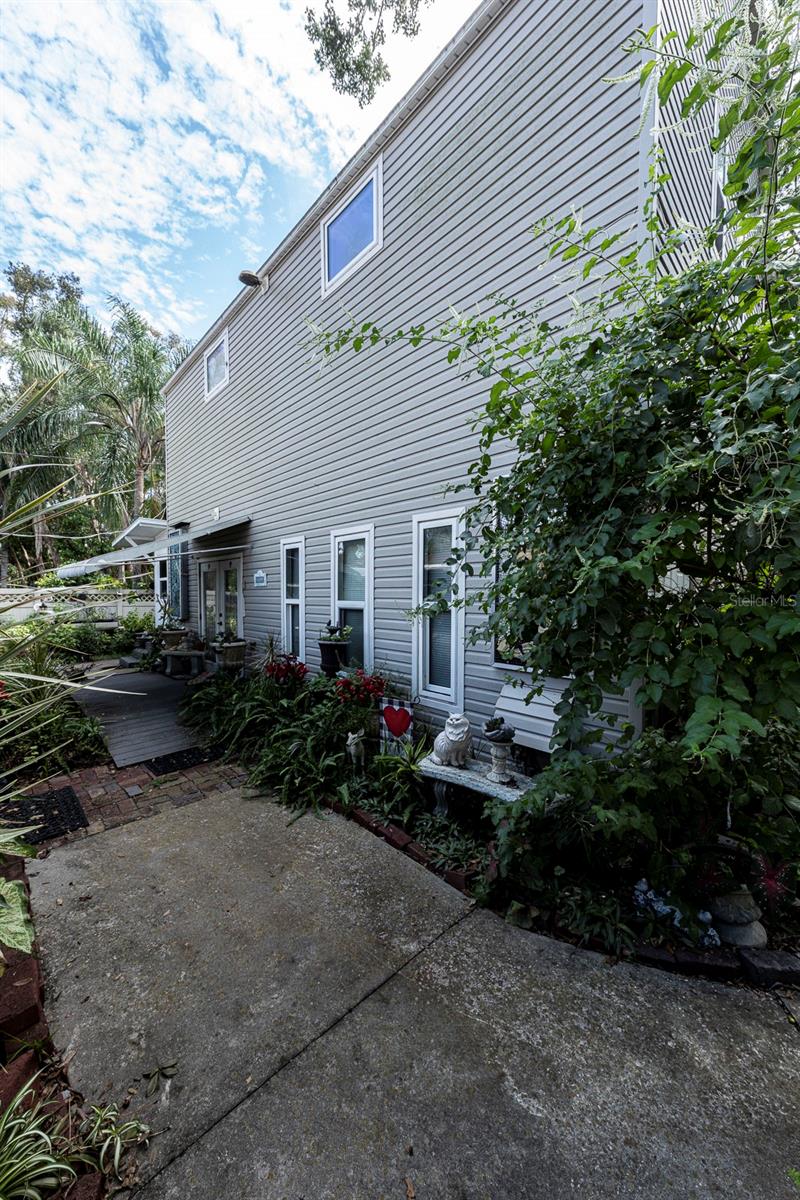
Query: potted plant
[
  {"x": 333, "y": 643},
  {"x": 171, "y": 632},
  {"x": 499, "y": 735},
  {"x": 229, "y": 650}
]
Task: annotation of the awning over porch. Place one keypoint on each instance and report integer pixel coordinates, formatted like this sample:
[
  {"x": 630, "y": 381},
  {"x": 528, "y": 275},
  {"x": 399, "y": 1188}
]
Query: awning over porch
[{"x": 158, "y": 547}]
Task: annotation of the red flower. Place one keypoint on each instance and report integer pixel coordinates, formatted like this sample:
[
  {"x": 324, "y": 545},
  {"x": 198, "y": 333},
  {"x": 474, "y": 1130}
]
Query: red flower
[
  {"x": 359, "y": 688},
  {"x": 285, "y": 668},
  {"x": 771, "y": 882}
]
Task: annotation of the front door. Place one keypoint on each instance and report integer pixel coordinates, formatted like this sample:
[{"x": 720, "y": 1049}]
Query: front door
[{"x": 221, "y": 598}]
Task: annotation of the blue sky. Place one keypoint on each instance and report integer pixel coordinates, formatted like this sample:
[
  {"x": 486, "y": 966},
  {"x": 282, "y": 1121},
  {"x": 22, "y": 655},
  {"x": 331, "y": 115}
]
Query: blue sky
[{"x": 157, "y": 148}]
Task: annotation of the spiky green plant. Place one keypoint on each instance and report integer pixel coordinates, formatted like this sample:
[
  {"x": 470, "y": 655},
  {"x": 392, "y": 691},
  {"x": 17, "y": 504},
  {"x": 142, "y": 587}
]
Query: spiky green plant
[{"x": 35, "y": 1156}]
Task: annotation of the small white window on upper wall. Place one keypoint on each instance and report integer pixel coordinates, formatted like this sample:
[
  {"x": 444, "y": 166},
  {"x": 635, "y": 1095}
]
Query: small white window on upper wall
[
  {"x": 293, "y": 597},
  {"x": 215, "y": 366},
  {"x": 438, "y": 642},
  {"x": 354, "y": 230}
]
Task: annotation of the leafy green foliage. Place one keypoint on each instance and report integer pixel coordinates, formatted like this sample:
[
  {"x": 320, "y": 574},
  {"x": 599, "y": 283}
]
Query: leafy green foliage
[
  {"x": 40, "y": 1149},
  {"x": 103, "y": 1136},
  {"x": 450, "y": 846},
  {"x": 349, "y": 49},
  {"x": 16, "y": 930},
  {"x": 51, "y": 579},
  {"x": 39, "y": 721},
  {"x": 34, "y": 1157}
]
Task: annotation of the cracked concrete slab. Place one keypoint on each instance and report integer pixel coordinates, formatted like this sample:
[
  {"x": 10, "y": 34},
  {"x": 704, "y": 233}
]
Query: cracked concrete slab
[
  {"x": 504, "y": 1066},
  {"x": 347, "y": 1028},
  {"x": 224, "y": 938}
]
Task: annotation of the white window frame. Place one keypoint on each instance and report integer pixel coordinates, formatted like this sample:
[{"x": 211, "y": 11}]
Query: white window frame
[
  {"x": 354, "y": 533},
  {"x": 376, "y": 174},
  {"x": 221, "y": 340},
  {"x": 294, "y": 543},
  {"x": 452, "y": 698}
]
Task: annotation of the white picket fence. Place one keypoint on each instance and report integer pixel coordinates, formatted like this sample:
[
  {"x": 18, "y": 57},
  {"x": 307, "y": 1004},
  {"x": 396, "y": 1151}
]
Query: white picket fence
[{"x": 101, "y": 607}]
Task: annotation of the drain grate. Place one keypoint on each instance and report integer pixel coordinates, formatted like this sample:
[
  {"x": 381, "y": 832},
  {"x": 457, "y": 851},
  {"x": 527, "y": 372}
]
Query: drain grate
[
  {"x": 56, "y": 812},
  {"x": 180, "y": 760}
]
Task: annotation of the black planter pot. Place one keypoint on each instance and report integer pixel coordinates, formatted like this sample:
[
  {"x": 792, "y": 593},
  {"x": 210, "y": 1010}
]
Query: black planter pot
[{"x": 333, "y": 657}]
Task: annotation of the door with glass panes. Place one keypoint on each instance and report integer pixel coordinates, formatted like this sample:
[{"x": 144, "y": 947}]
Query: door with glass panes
[{"x": 221, "y": 598}]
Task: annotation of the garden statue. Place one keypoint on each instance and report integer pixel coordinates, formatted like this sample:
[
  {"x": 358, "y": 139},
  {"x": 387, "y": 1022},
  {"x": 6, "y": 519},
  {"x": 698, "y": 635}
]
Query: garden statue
[
  {"x": 499, "y": 735},
  {"x": 453, "y": 744},
  {"x": 355, "y": 748},
  {"x": 736, "y": 919}
]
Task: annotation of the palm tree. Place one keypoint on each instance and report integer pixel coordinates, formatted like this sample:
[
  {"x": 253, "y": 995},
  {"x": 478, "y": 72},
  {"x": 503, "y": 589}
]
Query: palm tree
[{"x": 109, "y": 409}]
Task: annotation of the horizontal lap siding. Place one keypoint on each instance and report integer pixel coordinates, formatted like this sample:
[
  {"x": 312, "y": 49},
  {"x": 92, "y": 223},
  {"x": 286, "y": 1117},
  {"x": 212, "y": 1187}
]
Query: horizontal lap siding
[
  {"x": 687, "y": 197},
  {"x": 522, "y": 127}
]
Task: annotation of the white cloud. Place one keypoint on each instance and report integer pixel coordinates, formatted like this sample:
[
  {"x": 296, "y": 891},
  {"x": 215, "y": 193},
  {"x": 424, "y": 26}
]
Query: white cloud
[{"x": 133, "y": 130}]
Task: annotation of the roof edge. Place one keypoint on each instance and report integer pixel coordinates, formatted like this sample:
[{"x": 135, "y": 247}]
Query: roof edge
[{"x": 428, "y": 82}]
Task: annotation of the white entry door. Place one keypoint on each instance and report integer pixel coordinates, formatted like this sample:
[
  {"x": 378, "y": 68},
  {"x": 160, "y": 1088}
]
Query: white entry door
[{"x": 221, "y": 605}]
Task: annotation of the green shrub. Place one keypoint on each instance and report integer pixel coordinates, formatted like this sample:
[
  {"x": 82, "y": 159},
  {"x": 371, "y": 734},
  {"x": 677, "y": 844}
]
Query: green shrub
[
  {"x": 50, "y": 579},
  {"x": 39, "y": 720},
  {"x": 592, "y": 827}
]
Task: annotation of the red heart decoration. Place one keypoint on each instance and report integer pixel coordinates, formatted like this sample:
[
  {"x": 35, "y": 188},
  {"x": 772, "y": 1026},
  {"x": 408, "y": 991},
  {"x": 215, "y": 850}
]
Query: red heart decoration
[{"x": 397, "y": 720}]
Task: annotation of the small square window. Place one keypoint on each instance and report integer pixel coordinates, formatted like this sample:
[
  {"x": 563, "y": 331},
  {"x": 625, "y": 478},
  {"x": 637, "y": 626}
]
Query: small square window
[
  {"x": 216, "y": 366},
  {"x": 354, "y": 230}
]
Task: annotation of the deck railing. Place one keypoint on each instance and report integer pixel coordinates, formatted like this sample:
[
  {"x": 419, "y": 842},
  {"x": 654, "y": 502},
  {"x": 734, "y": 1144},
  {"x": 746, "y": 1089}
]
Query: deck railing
[{"x": 100, "y": 606}]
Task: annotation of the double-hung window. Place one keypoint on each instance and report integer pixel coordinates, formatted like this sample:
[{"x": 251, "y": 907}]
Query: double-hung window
[
  {"x": 438, "y": 646},
  {"x": 215, "y": 366},
  {"x": 354, "y": 230},
  {"x": 293, "y": 597},
  {"x": 351, "y": 590}
]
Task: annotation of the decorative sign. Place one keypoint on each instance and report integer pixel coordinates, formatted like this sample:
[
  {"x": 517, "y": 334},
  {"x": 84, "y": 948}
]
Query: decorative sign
[
  {"x": 260, "y": 579},
  {"x": 396, "y": 719}
]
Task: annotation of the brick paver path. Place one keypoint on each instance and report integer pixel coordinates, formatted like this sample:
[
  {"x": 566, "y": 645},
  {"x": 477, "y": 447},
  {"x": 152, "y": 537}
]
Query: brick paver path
[{"x": 112, "y": 796}]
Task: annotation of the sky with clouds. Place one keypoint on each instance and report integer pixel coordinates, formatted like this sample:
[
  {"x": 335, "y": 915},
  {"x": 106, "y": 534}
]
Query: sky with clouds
[{"x": 156, "y": 147}]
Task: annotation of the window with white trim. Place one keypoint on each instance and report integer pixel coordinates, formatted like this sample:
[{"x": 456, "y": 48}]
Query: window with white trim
[
  {"x": 215, "y": 366},
  {"x": 354, "y": 230},
  {"x": 293, "y": 597},
  {"x": 438, "y": 645},
  {"x": 351, "y": 590}
]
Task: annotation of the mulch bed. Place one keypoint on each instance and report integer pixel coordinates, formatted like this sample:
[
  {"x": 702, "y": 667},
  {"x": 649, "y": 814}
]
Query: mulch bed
[{"x": 56, "y": 812}]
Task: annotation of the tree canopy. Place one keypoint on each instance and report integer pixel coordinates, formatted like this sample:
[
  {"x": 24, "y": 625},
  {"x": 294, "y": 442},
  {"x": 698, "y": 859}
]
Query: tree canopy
[
  {"x": 101, "y": 428},
  {"x": 349, "y": 48}
]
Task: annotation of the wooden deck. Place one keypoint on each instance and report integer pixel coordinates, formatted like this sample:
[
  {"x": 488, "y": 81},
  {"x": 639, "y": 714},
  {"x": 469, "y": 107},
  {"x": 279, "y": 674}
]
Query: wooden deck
[{"x": 141, "y": 724}]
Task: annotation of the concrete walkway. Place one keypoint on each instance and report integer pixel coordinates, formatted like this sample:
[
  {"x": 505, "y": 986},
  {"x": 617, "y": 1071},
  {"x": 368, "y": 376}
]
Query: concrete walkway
[{"x": 348, "y": 1027}]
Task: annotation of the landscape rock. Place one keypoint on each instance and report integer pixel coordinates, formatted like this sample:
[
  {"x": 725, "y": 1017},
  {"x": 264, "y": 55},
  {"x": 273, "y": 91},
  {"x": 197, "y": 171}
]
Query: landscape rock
[
  {"x": 754, "y": 934},
  {"x": 737, "y": 908},
  {"x": 15, "y": 1075}
]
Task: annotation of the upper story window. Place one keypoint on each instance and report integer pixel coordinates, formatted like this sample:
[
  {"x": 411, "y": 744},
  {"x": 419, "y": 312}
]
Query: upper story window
[
  {"x": 215, "y": 365},
  {"x": 354, "y": 230}
]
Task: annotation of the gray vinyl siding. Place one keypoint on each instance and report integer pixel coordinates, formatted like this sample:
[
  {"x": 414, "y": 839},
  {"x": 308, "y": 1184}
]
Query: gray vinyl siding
[
  {"x": 523, "y": 126},
  {"x": 687, "y": 198}
]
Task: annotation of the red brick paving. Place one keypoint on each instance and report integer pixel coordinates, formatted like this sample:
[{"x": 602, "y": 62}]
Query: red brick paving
[{"x": 113, "y": 797}]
